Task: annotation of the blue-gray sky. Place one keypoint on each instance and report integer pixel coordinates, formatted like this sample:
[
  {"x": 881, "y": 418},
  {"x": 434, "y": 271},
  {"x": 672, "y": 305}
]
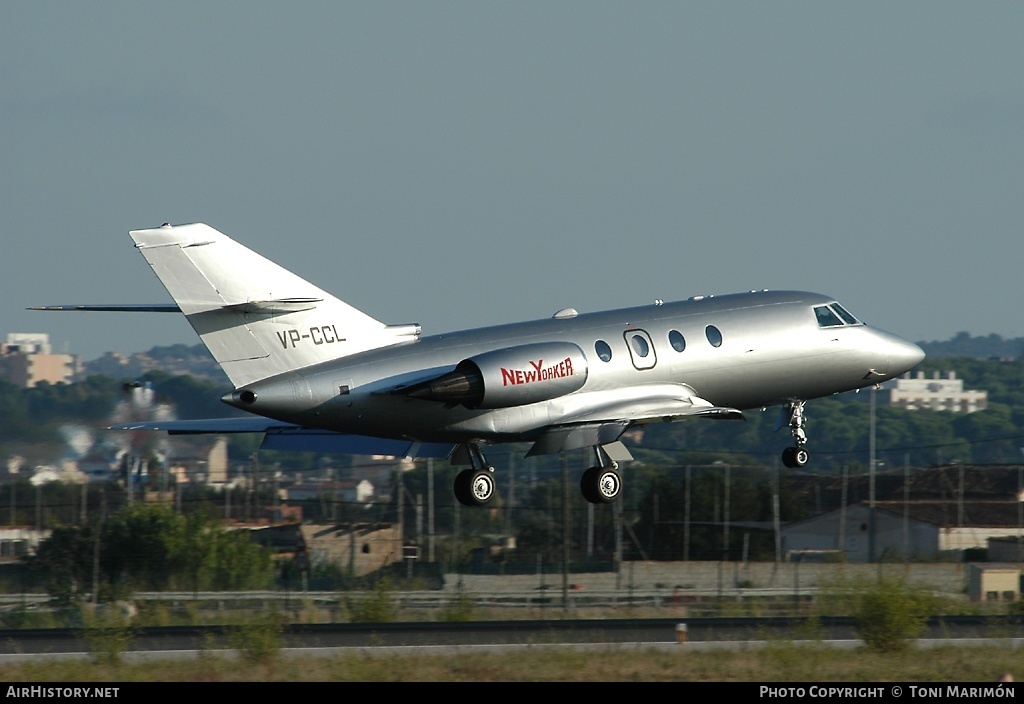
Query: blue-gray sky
[{"x": 460, "y": 164}]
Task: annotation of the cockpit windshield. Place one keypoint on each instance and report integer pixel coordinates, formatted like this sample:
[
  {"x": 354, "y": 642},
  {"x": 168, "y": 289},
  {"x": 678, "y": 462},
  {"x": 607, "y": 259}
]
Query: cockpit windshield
[
  {"x": 834, "y": 315},
  {"x": 846, "y": 315}
]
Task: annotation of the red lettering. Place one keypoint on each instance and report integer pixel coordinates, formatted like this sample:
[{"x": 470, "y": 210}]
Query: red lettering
[{"x": 538, "y": 373}]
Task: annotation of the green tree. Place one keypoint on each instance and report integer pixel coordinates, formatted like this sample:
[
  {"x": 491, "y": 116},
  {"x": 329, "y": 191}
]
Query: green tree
[
  {"x": 149, "y": 547},
  {"x": 64, "y": 563}
]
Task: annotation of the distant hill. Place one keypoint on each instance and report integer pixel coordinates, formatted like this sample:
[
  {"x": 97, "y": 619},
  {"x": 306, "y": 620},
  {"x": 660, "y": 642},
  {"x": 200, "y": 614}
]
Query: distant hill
[
  {"x": 963, "y": 345},
  {"x": 177, "y": 360}
]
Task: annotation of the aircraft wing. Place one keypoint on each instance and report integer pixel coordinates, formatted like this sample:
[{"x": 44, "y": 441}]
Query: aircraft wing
[
  {"x": 601, "y": 418},
  {"x": 287, "y": 436},
  {"x": 210, "y": 426}
]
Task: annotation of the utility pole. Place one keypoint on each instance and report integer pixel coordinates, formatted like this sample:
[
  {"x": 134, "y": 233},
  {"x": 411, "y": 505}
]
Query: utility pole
[
  {"x": 565, "y": 532},
  {"x": 775, "y": 513},
  {"x": 686, "y": 517},
  {"x": 725, "y": 522},
  {"x": 590, "y": 516},
  {"x": 871, "y": 481},
  {"x": 511, "y": 498},
  {"x": 430, "y": 509}
]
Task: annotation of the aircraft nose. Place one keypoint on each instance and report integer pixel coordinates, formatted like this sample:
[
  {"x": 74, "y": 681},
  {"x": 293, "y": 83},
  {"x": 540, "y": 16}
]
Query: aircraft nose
[{"x": 903, "y": 356}]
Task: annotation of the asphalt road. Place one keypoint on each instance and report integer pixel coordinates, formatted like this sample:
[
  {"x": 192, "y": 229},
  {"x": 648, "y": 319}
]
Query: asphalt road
[{"x": 699, "y": 633}]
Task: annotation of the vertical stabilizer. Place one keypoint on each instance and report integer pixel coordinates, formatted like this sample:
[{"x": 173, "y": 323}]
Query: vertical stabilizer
[{"x": 256, "y": 318}]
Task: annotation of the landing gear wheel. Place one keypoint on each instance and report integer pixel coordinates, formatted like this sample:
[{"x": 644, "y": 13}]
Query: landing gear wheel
[
  {"x": 601, "y": 485},
  {"x": 795, "y": 457},
  {"x": 474, "y": 487}
]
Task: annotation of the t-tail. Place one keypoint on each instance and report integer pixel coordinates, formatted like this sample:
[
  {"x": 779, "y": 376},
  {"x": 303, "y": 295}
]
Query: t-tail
[{"x": 256, "y": 318}]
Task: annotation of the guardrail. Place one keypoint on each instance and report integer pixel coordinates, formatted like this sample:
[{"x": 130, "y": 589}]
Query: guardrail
[
  {"x": 708, "y": 601},
  {"x": 426, "y": 600}
]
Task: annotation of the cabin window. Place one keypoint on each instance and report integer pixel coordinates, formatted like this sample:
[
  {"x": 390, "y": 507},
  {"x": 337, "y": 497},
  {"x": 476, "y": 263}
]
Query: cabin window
[
  {"x": 826, "y": 317},
  {"x": 676, "y": 339},
  {"x": 640, "y": 346},
  {"x": 714, "y": 335},
  {"x": 604, "y": 351}
]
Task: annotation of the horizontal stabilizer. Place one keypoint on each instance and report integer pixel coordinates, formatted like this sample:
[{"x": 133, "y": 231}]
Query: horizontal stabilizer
[{"x": 118, "y": 307}]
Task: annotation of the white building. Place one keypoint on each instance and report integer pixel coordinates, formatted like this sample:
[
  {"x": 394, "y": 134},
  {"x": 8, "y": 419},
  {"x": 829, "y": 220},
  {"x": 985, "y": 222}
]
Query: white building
[{"x": 938, "y": 393}]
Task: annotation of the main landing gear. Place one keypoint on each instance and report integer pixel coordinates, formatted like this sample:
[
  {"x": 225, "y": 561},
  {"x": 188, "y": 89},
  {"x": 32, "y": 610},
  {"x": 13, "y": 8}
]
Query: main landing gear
[
  {"x": 601, "y": 484},
  {"x": 475, "y": 486},
  {"x": 796, "y": 456}
]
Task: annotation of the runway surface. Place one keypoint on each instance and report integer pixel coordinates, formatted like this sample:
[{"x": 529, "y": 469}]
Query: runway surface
[{"x": 395, "y": 639}]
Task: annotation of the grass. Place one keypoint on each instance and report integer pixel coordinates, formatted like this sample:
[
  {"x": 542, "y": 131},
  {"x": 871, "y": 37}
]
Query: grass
[{"x": 777, "y": 662}]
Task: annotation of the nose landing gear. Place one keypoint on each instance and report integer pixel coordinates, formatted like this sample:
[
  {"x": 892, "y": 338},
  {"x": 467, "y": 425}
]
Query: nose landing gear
[{"x": 792, "y": 415}]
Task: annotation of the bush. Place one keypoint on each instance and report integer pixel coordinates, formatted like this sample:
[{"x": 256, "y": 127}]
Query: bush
[
  {"x": 260, "y": 638},
  {"x": 374, "y": 606},
  {"x": 889, "y": 613}
]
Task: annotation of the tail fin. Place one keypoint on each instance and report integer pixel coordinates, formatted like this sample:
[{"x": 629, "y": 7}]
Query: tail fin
[{"x": 256, "y": 318}]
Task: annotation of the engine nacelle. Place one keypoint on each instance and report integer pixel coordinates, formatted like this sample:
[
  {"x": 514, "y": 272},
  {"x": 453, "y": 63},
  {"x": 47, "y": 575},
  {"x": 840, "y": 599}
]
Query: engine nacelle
[{"x": 514, "y": 376}]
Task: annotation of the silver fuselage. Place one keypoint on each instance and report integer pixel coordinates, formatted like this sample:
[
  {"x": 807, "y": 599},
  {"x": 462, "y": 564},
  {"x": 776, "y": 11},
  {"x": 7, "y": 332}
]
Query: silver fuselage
[{"x": 772, "y": 351}]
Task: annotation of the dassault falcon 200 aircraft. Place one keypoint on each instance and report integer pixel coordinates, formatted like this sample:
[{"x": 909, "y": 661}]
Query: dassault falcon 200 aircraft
[{"x": 316, "y": 374}]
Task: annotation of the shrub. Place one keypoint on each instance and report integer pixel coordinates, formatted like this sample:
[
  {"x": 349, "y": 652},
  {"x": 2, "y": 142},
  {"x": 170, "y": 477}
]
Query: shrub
[
  {"x": 374, "y": 606},
  {"x": 889, "y": 613},
  {"x": 258, "y": 639}
]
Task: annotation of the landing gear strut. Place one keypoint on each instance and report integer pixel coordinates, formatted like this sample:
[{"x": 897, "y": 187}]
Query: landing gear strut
[
  {"x": 601, "y": 484},
  {"x": 796, "y": 456},
  {"x": 475, "y": 486}
]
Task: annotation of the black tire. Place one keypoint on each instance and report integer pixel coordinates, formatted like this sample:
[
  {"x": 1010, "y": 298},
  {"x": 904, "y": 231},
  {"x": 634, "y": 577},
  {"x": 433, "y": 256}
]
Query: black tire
[
  {"x": 601, "y": 485},
  {"x": 474, "y": 487}
]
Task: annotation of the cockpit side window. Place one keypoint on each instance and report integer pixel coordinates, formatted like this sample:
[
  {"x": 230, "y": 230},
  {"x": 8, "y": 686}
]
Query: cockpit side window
[
  {"x": 826, "y": 317},
  {"x": 846, "y": 315}
]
